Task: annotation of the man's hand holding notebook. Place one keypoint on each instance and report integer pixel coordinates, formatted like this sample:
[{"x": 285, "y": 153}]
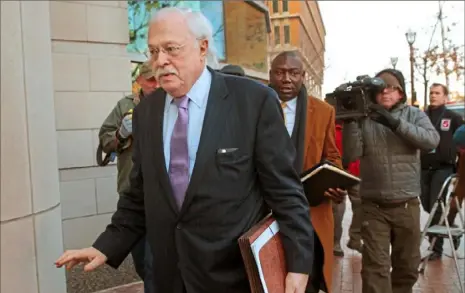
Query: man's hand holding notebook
[
  {"x": 326, "y": 181},
  {"x": 337, "y": 195}
]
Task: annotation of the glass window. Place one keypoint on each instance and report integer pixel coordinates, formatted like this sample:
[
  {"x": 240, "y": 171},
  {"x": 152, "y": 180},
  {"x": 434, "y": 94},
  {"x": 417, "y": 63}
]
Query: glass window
[
  {"x": 287, "y": 34},
  {"x": 213, "y": 10},
  {"x": 275, "y": 6},
  {"x": 285, "y": 6},
  {"x": 277, "y": 40},
  {"x": 139, "y": 13}
]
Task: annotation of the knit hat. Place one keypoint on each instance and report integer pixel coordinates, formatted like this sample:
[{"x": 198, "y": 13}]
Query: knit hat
[
  {"x": 146, "y": 70},
  {"x": 393, "y": 77}
]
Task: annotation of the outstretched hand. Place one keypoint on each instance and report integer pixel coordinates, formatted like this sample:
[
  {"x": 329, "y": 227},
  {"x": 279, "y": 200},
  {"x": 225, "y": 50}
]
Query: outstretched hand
[{"x": 90, "y": 256}]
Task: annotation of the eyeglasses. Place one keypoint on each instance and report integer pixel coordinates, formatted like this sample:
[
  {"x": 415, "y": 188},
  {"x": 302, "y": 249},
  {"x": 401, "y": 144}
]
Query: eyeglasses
[
  {"x": 391, "y": 88},
  {"x": 170, "y": 50}
]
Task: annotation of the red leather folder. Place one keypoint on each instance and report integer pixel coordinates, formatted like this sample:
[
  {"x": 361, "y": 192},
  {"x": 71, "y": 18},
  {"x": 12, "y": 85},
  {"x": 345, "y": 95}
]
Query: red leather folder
[{"x": 263, "y": 254}]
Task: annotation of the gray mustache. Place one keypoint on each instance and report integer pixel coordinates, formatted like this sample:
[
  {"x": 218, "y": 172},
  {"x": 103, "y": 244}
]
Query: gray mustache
[{"x": 161, "y": 72}]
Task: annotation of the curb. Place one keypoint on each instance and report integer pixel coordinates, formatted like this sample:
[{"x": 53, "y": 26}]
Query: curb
[{"x": 128, "y": 286}]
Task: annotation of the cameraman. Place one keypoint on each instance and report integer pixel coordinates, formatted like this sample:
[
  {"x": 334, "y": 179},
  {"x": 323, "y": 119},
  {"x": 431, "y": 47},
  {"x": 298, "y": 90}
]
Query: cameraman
[
  {"x": 439, "y": 163},
  {"x": 387, "y": 144},
  {"x": 116, "y": 136}
]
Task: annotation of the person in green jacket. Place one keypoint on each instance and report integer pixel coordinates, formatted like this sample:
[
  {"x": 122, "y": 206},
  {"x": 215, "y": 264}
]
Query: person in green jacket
[{"x": 115, "y": 136}]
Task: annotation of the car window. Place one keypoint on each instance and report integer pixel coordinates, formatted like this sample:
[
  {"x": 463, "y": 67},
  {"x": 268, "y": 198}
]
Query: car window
[{"x": 460, "y": 111}]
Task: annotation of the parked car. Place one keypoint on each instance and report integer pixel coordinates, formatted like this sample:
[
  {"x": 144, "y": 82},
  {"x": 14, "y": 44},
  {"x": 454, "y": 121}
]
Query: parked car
[{"x": 458, "y": 108}]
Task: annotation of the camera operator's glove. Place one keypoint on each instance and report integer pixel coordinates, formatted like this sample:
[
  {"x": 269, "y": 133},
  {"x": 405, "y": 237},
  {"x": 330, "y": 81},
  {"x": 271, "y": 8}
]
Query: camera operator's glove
[
  {"x": 381, "y": 115},
  {"x": 125, "y": 129}
]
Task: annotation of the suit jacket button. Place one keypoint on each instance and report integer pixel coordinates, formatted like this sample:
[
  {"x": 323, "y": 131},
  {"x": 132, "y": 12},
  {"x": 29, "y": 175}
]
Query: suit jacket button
[{"x": 179, "y": 226}]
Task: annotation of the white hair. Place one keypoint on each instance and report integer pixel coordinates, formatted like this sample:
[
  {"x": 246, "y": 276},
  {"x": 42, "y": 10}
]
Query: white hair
[{"x": 199, "y": 26}]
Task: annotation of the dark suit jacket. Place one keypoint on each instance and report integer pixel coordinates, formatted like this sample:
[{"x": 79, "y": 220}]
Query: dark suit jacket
[{"x": 197, "y": 247}]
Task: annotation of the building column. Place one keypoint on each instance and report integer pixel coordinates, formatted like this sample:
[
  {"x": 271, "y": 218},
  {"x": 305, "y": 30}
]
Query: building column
[{"x": 31, "y": 230}]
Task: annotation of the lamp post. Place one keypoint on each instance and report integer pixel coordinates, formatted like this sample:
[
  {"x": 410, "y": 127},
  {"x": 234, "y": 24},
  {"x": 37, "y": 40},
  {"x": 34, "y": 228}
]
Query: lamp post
[
  {"x": 411, "y": 35},
  {"x": 394, "y": 62}
]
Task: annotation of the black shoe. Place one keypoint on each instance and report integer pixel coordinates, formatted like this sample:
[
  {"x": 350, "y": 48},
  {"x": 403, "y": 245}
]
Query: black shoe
[
  {"x": 355, "y": 245},
  {"x": 338, "y": 250},
  {"x": 434, "y": 256},
  {"x": 456, "y": 241}
]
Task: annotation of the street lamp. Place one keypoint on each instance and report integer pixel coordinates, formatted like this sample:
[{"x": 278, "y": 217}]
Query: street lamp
[
  {"x": 410, "y": 36},
  {"x": 394, "y": 62}
]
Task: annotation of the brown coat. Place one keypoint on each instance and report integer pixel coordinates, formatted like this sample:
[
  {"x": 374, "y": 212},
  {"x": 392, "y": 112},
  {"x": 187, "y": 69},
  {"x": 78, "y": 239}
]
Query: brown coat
[{"x": 320, "y": 143}]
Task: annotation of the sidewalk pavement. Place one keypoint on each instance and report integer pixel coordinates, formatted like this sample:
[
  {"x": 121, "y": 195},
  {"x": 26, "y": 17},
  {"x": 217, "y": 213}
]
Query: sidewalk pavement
[
  {"x": 136, "y": 287},
  {"x": 440, "y": 276}
]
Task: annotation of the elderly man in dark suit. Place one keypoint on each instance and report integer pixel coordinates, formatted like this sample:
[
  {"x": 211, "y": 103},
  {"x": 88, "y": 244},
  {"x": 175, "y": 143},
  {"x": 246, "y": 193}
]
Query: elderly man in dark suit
[{"x": 211, "y": 158}]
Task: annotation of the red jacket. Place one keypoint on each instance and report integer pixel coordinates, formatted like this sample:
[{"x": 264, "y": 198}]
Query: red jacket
[{"x": 354, "y": 167}]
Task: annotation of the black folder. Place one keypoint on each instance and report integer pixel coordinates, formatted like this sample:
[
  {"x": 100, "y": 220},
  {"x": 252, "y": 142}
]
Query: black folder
[{"x": 322, "y": 177}]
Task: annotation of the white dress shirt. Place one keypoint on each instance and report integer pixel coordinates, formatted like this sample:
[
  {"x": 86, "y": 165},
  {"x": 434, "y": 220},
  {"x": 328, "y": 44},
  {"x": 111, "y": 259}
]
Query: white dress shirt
[
  {"x": 289, "y": 114},
  {"x": 198, "y": 98}
]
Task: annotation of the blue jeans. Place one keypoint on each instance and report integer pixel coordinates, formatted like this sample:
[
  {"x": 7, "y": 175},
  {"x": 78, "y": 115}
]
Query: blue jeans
[{"x": 142, "y": 257}]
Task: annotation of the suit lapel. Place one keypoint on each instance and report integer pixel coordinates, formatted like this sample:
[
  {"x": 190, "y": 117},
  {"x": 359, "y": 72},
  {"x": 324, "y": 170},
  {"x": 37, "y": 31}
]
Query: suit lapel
[
  {"x": 217, "y": 110},
  {"x": 298, "y": 119},
  {"x": 298, "y": 133},
  {"x": 157, "y": 111}
]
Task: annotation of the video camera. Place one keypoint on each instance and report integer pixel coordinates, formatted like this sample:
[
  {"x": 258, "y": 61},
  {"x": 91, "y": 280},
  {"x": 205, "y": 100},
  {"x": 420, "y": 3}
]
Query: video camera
[{"x": 351, "y": 100}]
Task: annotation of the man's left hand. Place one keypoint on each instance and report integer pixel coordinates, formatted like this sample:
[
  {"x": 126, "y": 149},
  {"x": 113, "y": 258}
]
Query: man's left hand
[
  {"x": 337, "y": 195},
  {"x": 381, "y": 115},
  {"x": 296, "y": 283}
]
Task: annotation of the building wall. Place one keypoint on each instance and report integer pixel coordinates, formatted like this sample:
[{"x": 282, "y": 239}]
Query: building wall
[
  {"x": 306, "y": 35},
  {"x": 91, "y": 72},
  {"x": 315, "y": 37},
  {"x": 246, "y": 37},
  {"x": 31, "y": 227}
]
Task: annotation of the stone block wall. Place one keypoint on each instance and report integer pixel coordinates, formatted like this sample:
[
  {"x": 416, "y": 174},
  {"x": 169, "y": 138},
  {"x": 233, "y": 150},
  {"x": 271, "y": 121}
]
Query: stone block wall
[
  {"x": 31, "y": 226},
  {"x": 91, "y": 72}
]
